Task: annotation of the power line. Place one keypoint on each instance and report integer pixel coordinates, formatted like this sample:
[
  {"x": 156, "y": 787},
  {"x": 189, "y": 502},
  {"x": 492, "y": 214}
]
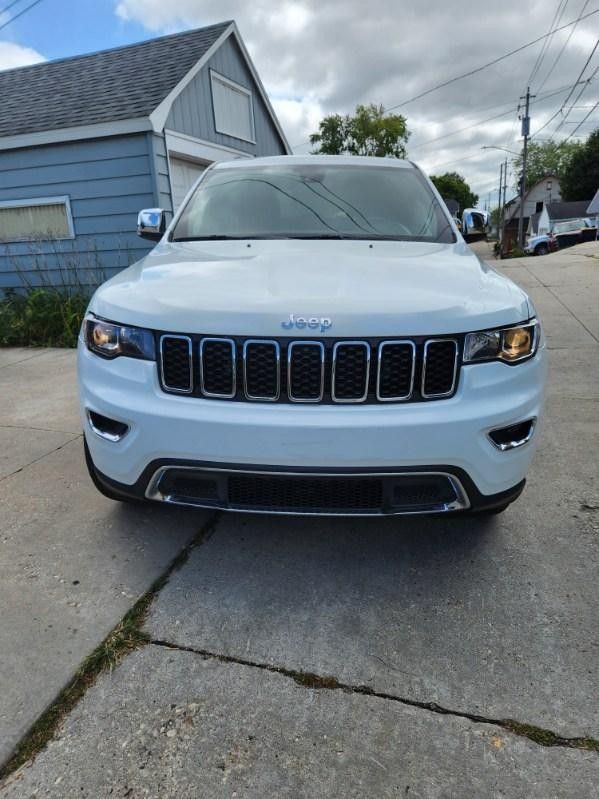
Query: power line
[
  {"x": 580, "y": 124},
  {"x": 9, "y": 6},
  {"x": 539, "y": 99},
  {"x": 574, "y": 85},
  {"x": 547, "y": 42},
  {"x": 19, "y": 14},
  {"x": 565, "y": 44},
  {"x": 455, "y": 161},
  {"x": 583, "y": 88},
  {"x": 489, "y": 63}
]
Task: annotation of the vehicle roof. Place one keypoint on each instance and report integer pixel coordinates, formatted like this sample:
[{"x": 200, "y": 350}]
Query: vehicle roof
[{"x": 300, "y": 160}]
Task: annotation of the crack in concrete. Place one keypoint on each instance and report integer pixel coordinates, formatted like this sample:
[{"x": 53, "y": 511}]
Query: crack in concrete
[
  {"x": 41, "y": 457},
  {"x": 38, "y": 429},
  {"x": 23, "y": 360},
  {"x": 538, "y": 735},
  {"x": 126, "y": 636},
  {"x": 561, "y": 302}
]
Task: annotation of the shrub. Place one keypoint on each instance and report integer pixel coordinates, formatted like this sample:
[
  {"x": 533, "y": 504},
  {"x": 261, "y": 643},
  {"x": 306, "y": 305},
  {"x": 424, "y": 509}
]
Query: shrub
[{"x": 41, "y": 317}]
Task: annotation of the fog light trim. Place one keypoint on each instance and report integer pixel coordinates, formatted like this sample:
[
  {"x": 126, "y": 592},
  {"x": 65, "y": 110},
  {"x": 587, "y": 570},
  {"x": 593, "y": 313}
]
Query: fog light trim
[
  {"x": 512, "y": 436},
  {"x": 106, "y": 428}
]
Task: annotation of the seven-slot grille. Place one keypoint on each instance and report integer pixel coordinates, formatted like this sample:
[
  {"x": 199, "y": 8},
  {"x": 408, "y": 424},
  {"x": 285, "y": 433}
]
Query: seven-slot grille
[{"x": 344, "y": 371}]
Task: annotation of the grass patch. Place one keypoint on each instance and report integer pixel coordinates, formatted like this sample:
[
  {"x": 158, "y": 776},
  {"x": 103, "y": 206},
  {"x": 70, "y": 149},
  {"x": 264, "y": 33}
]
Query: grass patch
[
  {"x": 41, "y": 317},
  {"x": 125, "y": 638},
  {"x": 548, "y": 738}
]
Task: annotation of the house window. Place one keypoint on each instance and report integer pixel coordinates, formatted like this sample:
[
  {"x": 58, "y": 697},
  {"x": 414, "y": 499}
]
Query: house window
[
  {"x": 539, "y": 207},
  {"x": 233, "y": 109},
  {"x": 41, "y": 219}
]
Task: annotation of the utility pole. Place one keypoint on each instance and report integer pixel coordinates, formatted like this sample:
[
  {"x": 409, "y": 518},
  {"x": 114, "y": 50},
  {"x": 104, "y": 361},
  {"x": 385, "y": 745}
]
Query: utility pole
[
  {"x": 500, "y": 207},
  {"x": 525, "y": 134}
]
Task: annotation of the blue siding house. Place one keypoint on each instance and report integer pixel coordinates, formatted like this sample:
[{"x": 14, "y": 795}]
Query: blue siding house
[{"x": 86, "y": 142}]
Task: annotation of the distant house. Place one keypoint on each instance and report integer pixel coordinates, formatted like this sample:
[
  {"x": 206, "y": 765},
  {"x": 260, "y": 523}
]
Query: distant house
[
  {"x": 544, "y": 191},
  {"x": 561, "y": 212},
  {"x": 86, "y": 142},
  {"x": 593, "y": 208}
]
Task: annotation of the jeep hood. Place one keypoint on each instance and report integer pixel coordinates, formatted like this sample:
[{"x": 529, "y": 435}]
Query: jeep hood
[{"x": 248, "y": 288}]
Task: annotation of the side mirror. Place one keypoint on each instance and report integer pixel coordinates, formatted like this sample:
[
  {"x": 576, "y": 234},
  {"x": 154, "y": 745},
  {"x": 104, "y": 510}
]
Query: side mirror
[{"x": 151, "y": 223}]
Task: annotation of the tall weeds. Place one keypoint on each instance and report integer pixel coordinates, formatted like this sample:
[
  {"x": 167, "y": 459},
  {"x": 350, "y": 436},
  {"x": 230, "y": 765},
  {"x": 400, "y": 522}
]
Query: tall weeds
[{"x": 47, "y": 309}]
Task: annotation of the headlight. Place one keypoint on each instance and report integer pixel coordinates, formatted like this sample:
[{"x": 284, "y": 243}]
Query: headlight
[
  {"x": 110, "y": 340},
  {"x": 511, "y": 344}
]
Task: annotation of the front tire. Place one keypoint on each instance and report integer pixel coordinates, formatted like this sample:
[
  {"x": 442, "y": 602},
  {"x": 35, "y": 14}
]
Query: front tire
[{"x": 542, "y": 249}]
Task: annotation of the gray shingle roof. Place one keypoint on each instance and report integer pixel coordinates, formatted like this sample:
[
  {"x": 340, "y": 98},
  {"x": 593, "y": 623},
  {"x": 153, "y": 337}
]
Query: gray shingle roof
[
  {"x": 123, "y": 83},
  {"x": 564, "y": 210}
]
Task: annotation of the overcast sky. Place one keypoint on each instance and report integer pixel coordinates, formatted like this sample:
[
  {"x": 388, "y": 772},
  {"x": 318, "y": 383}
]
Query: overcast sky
[{"x": 321, "y": 56}]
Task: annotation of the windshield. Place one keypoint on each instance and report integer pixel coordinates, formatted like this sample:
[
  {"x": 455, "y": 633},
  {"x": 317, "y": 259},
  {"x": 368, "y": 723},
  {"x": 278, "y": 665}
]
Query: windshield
[
  {"x": 570, "y": 226},
  {"x": 314, "y": 202}
]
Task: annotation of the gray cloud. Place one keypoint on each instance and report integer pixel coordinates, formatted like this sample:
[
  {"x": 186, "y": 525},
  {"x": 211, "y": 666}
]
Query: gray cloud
[{"x": 322, "y": 56}]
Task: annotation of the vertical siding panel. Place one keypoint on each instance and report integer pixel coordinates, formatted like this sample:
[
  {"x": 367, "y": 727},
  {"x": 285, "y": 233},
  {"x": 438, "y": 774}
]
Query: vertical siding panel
[
  {"x": 107, "y": 180},
  {"x": 192, "y": 110}
]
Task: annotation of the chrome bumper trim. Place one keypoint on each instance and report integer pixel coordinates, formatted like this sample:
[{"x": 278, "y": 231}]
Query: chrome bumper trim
[{"x": 461, "y": 502}]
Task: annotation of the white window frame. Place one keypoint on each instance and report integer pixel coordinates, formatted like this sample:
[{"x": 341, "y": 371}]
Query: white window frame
[
  {"x": 33, "y": 201},
  {"x": 237, "y": 87}
]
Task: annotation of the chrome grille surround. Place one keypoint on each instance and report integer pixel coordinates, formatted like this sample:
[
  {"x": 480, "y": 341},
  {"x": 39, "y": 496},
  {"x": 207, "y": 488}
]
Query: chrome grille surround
[
  {"x": 336, "y": 348},
  {"x": 290, "y": 349},
  {"x": 231, "y": 343},
  {"x": 394, "y": 343},
  {"x": 277, "y": 349},
  {"x": 176, "y": 389},
  {"x": 430, "y": 342}
]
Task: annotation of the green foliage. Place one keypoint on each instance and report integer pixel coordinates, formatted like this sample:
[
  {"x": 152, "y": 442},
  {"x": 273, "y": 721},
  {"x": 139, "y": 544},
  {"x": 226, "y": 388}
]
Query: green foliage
[
  {"x": 368, "y": 132},
  {"x": 545, "y": 158},
  {"x": 41, "y": 317},
  {"x": 452, "y": 186},
  {"x": 581, "y": 178}
]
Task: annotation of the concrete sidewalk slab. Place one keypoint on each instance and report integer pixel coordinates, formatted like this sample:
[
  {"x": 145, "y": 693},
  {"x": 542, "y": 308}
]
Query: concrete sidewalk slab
[
  {"x": 71, "y": 564},
  {"x": 41, "y": 392},
  {"x": 172, "y": 724},
  {"x": 21, "y": 446}
]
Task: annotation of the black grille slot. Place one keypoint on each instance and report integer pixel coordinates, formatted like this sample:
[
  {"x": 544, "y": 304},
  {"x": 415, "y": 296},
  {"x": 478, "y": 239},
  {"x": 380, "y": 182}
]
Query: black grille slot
[
  {"x": 351, "y": 361},
  {"x": 396, "y": 370},
  {"x": 423, "y": 491},
  {"x": 176, "y": 359},
  {"x": 297, "y": 493},
  {"x": 261, "y": 369},
  {"x": 305, "y": 371},
  {"x": 217, "y": 367},
  {"x": 440, "y": 360}
]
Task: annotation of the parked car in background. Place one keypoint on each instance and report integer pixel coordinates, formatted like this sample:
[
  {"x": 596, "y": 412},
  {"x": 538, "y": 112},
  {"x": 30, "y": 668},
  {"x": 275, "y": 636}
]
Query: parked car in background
[
  {"x": 574, "y": 231},
  {"x": 541, "y": 245},
  {"x": 475, "y": 223}
]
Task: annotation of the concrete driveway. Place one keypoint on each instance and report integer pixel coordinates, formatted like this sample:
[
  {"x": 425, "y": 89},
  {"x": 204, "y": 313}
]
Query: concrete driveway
[{"x": 306, "y": 658}]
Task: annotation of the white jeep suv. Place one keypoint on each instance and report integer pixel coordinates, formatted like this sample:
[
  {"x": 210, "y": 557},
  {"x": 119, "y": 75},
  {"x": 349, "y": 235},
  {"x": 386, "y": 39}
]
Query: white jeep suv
[{"x": 311, "y": 335}]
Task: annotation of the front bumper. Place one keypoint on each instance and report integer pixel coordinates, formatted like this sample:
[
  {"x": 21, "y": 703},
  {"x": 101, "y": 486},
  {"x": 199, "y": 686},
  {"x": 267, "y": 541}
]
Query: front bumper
[{"x": 449, "y": 435}]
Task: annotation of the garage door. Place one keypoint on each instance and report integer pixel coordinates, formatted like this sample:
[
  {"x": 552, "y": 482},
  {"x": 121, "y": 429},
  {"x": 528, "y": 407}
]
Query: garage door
[{"x": 183, "y": 175}]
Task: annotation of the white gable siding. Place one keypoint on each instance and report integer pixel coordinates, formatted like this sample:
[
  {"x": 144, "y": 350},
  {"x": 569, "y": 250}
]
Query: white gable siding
[
  {"x": 233, "y": 108},
  {"x": 192, "y": 112},
  {"x": 183, "y": 175}
]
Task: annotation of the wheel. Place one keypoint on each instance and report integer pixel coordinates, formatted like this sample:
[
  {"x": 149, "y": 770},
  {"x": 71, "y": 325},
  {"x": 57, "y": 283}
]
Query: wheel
[
  {"x": 542, "y": 249},
  {"x": 102, "y": 487}
]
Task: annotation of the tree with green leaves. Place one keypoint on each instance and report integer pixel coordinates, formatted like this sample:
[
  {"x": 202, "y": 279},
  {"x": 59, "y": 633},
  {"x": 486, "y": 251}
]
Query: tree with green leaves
[
  {"x": 543, "y": 159},
  {"x": 581, "y": 179},
  {"x": 452, "y": 186},
  {"x": 368, "y": 132}
]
